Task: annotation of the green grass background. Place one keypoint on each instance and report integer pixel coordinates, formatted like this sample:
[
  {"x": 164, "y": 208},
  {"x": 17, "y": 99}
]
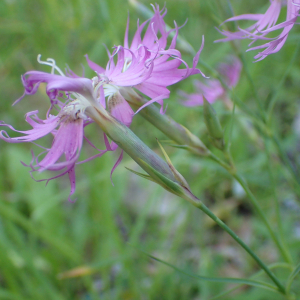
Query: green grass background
[{"x": 98, "y": 238}]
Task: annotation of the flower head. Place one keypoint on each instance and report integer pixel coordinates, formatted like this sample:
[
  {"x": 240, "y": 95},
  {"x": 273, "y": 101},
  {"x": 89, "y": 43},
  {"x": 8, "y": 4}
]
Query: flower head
[
  {"x": 147, "y": 65},
  {"x": 67, "y": 126},
  {"x": 212, "y": 89},
  {"x": 265, "y": 23}
]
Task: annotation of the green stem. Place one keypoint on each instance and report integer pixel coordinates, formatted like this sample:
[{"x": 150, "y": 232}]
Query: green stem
[
  {"x": 231, "y": 169},
  {"x": 285, "y": 159},
  {"x": 279, "y": 85},
  {"x": 292, "y": 277},
  {"x": 277, "y": 203},
  {"x": 219, "y": 161},
  {"x": 251, "y": 82},
  {"x": 208, "y": 212},
  {"x": 261, "y": 214}
]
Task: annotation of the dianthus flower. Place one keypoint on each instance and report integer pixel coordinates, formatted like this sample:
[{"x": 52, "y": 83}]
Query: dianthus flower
[
  {"x": 67, "y": 126},
  {"x": 266, "y": 23},
  {"x": 212, "y": 89},
  {"x": 146, "y": 65}
]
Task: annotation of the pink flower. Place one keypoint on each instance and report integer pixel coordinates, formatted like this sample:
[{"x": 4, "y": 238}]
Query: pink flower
[
  {"x": 146, "y": 64},
  {"x": 265, "y": 24},
  {"x": 212, "y": 89},
  {"x": 67, "y": 126}
]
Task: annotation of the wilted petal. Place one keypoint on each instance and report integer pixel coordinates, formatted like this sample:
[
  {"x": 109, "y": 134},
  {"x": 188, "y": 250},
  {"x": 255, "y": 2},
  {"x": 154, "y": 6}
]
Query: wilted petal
[{"x": 120, "y": 109}]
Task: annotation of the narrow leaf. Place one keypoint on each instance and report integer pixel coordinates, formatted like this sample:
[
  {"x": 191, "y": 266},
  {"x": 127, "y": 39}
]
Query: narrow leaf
[
  {"x": 141, "y": 175},
  {"x": 255, "y": 283},
  {"x": 160, "y": 179},
  {"x": 180, "y": 146},
  {"x": 177, "y": 175},
  {"x": 272, "y": 266}
]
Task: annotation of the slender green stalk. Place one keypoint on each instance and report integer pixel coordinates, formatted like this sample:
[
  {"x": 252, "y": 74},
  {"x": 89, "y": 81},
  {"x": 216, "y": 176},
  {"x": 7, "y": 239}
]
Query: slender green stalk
[
  {"x": 282, "y": 80},
  {"x": 231, "y": 169},
  {"x": 285, "y": 159},
  {"x": 208, "y": 212},
  {"x": 292, "y": 277},
  {"x": 277, "y": 203},
  {"x": 295, "y": 180},
  {"x": 285, "y": 254},
  {"x": 251, "y": 82},
  {"x": 223, "y": 164}
]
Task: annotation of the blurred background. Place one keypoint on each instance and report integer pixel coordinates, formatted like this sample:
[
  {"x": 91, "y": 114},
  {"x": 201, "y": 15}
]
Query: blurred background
[{"x": 96, "y": 248}]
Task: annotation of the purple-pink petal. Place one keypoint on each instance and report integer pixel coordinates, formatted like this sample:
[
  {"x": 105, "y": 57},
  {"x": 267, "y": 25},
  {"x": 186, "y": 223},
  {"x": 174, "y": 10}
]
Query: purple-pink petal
[
  {"x": 265, "y": 24},
  {"x": 67, "y": 141},
  {"x": 39, "y": 129},
  {"x": 56, "y": 83},
  {"x": 94, "y": 66}
]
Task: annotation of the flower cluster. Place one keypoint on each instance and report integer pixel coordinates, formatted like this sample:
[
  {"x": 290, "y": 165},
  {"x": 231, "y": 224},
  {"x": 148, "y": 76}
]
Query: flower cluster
[
  {"x": 148, "y": 66},
  {"x": 212, "y": 89},
  {"x": 266, "y": 23}
]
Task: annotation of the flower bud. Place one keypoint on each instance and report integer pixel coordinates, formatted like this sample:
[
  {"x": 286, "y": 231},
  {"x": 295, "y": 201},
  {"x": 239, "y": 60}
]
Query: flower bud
[{"x": 159, "y": 171}]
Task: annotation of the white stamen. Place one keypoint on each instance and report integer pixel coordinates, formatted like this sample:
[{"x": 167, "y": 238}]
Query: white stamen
[
  {"x": 110, "y": 89},
  {"x": 75, "y": 109},
  {"x": 127, "y": 64},
  {"x": 50, "y": 62}
]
